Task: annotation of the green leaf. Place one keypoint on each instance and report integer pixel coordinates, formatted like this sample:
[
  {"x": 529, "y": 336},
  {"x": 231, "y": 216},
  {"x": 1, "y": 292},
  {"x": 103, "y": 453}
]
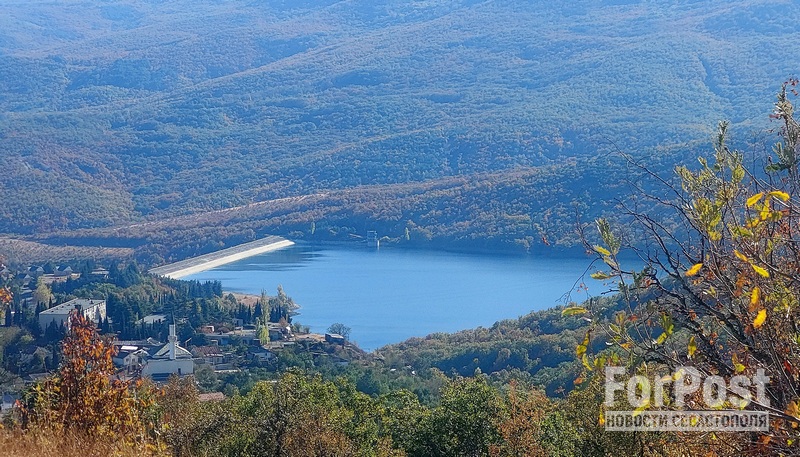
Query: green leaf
[
  {"x": 777, "y": 167},
  {"x": 667, "y": 324},
  {"x": 742, "y": 231},
  {"x": 737, "y": 174},
  {"x": 692, "y": 347},
  {"x": 608, "y": 237}
]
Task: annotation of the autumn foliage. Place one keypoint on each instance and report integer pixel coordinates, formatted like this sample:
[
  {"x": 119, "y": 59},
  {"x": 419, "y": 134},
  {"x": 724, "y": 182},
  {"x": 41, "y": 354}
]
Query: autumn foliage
[
  {"x": 719, "y": 287},
  {"x": 82, "y": 398}
]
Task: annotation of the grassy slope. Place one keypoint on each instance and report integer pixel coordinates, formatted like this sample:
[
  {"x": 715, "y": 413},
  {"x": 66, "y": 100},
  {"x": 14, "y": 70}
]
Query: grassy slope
[{"x": 112, "y": 112}]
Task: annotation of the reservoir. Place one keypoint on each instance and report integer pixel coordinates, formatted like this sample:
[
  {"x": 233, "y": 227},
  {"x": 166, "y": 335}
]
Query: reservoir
[{"x": 390, "y": 294}]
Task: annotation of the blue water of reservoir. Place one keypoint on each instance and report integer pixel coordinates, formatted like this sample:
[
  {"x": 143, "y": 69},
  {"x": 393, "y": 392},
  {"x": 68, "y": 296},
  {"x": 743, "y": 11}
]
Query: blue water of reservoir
[{"x": 390, "y": 294}]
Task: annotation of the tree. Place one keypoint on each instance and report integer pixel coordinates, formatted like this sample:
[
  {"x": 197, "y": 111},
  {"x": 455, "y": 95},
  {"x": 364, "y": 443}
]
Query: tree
[
  {"x": 81, "y": 397},
  {"x": 464, "y": 424},
  {"x": 179, "y": 413},
  {"x": 521, "y": 425},
  {"x": 281, "y": 307},
  {"x": 720, "y": 289},
  {"x": 340, "y": 329},
  {"x": 5, "y": 295},
  {"x": 42, "y": 294},
  {"x": 5, "y": 305}
]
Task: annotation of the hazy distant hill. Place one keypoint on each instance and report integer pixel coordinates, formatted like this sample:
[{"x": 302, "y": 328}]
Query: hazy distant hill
[{"x": 115, "y": 111}]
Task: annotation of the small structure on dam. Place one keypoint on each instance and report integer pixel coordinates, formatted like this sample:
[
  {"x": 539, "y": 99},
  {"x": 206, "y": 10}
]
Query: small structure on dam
[{"x": 372, "y": 239}]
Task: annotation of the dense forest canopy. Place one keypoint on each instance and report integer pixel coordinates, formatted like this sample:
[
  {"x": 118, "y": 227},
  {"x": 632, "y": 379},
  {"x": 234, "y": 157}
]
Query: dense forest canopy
[{"x": 116, "y": 112}]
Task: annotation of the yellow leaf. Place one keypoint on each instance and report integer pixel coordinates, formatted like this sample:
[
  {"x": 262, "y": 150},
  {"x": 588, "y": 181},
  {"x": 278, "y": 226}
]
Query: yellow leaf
[
  {"x": 736, "y": 364},
  {"x": 765, "y": 213},
  {"x": 601, "y": 420},
  {"x": 574, "y": 310},
  {"x": 741, "y": 256},
  {"x": 610, "y": 262},
  {"x": 755, "y": 298},
  {"x": 641, "y": 409},
  {"x": 754, "y": 199},
  {"x": 599, "y": 275},
  {"x": 600, "y": 362},
  {"x": 761, "y": 271},
  {"x": 602, "y": 250},
  {"x": 581, "y": 349},
  {"x": 585, "y": 360},
  {"x": 692, "y": 347},
  {"x": 693, "y": 271},
  {"x": 779, "y": 195},
  {"x": 760, "y": 318}
]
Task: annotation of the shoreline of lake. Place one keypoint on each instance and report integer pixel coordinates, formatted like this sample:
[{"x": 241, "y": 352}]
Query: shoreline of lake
[{"x": 389, "y": 295}]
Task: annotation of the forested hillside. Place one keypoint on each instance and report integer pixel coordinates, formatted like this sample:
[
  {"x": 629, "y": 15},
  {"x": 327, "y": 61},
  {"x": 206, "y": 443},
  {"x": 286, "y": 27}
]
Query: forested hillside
[{"x": 114, "y": 113}]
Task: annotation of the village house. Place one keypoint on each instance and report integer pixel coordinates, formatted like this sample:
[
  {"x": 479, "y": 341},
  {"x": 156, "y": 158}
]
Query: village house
[
  {"x": 93, "y": 310},
  {"x": 130, "y": 358},
  {"x": 211, "y": 355},
  {"x": 139, "y": 344},
  {"x": 246, "y": 336},
  {"x": 259, "y": 354},
  {"x": 278, "y": 332},
  {"x": 152, "y": 319},
  {"x": 99, "y": 273},
  {"x": 335, "y": 338},
  {"x": 8, "y": 403}
]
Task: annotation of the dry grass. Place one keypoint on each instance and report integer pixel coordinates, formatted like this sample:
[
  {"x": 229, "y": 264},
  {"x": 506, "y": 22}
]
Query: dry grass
[{"x": 14, "y": 443}]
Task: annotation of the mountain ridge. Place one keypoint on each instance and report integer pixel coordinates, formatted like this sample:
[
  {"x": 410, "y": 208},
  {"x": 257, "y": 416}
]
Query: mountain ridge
[{"x": 151, "y": 111}]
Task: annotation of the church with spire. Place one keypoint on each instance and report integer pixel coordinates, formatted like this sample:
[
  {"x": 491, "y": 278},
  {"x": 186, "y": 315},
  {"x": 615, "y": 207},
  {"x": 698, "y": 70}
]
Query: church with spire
[{"x": 170, "y": 359}]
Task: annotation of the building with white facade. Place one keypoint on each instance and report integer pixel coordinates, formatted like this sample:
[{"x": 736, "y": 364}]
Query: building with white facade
[
  {"x": 93, "y": 310},
  {"x": 170, "y": 359}
]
